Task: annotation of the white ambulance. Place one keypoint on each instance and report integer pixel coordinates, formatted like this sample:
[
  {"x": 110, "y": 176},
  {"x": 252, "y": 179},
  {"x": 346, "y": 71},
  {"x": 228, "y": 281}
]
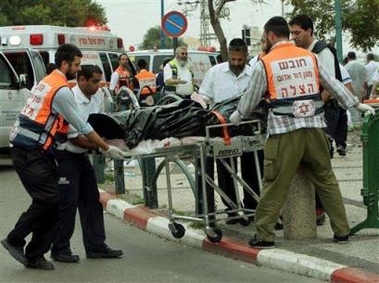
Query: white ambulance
[{"x": 98, "y": 45}]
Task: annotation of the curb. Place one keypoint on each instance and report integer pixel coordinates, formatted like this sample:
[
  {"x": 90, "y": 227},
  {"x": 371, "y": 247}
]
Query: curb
[{"x": 146, "y": 219}]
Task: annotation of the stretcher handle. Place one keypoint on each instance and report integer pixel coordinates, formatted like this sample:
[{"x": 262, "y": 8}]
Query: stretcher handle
[{"x": 221, "y": 119}]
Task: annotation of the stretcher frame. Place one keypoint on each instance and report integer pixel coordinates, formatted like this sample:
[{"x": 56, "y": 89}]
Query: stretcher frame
[{"x": 220, "y": 149}]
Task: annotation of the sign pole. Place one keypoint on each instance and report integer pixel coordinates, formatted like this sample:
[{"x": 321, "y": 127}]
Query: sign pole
[{"x": 175, "y": 43}]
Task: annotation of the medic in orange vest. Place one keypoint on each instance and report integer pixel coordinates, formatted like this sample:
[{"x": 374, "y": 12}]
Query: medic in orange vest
[
  {"x": 122, "y": 76},
  {"x": 145, "y": 79}
]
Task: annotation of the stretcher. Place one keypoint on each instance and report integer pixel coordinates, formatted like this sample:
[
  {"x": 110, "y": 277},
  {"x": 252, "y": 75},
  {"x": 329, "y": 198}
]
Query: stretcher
[{"x": 199, "y": 149}]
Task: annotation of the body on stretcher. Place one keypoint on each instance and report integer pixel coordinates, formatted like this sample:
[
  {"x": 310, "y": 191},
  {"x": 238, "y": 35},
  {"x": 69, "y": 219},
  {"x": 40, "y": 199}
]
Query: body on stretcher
[{"x": 192, "y": 148}]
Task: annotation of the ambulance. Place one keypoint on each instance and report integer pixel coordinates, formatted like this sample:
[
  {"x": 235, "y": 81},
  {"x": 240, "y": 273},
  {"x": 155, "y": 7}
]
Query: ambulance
[
  {"x": 26, "y": 50},
  {"x": 98, "y": 45}
]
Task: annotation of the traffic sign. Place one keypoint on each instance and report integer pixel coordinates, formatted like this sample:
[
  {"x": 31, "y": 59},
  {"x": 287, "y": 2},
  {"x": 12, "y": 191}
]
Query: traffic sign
[{"x": 174, "y": 24}]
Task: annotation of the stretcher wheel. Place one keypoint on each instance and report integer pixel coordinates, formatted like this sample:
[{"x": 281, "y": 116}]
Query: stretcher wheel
[
  {"x": 177, "y": 230},
  {"x": 216, "y": 237},
  {"x": 245, "y": 221}
]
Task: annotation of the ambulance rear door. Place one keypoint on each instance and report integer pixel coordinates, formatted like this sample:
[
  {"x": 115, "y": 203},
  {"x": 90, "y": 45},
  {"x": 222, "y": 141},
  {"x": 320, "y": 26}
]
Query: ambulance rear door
[{"x": 13, "y": 94}]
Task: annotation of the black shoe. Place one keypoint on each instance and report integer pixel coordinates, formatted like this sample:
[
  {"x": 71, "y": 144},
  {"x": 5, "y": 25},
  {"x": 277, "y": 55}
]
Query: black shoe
[
  {"x": 105, "y": 252},
  {"x": 40, "y": 263},
  {"x": 279, "y": 224},
  {"x": 260, "y": 244},
  {"x": 341, "y": 239},
  {"x": 341, "y": 150},
  {"x": 16, "y": 252},
  {"x": 65, "y": 257}
]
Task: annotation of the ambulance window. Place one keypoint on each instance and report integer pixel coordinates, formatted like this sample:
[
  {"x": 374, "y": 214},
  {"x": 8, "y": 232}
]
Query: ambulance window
[
  {"x": 39, "y": 65},
  {"x": 213, "y": 60},
  {"x": 157, "y": 62},
  {"x": 106, "y": 66},
  {"x": 114, "y": 60},
  {"x": 5, "y": 74},
  {"x": 45, "y": 57},
  {"x": 22, "y": 65}
]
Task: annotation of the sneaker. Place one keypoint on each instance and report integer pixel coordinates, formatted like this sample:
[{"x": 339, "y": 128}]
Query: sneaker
[
  {"x": 255, "y": 242},
  {"x": 320, "y": 217},
  {"x": 40, "y": 263},
  {"x": 341, "y": 239},
  {"x": 16, "y": 252},
  {"x": 65, "y": 257},
  {"x": 341, "y": 150},
  {"x": 279, "y": 224},
  {"x": 105, "y": 252}
]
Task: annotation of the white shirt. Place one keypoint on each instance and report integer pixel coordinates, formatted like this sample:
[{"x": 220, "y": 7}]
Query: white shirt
[
  {"x": 326, "y": 57},
  {"x": 370, "y": 70},
  {"x": 375, "y": 76},
  {"x": 184, "y": 73},
  {"x": 220, "y": 83},
  {"x": 86, "y": 107}
]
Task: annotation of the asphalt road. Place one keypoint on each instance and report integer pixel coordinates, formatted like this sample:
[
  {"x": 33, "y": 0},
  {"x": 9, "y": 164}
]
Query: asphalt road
[{"x": 147, "y": 258}]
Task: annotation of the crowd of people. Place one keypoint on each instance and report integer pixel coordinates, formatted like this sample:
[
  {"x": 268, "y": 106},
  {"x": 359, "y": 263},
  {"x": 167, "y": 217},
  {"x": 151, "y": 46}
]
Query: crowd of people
[{"x": 296, "y": 76}]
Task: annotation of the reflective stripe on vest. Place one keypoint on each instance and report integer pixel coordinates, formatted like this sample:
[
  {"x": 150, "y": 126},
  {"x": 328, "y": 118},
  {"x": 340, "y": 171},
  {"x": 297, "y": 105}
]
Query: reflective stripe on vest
[{"x": 292, "y": 76}]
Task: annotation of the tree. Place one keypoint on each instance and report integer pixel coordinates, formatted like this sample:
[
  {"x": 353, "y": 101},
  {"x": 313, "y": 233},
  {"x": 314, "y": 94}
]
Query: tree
[
  {"x": 215, "y": 8},
  {"x": 359, "y": 19},
  {"x": 51, "y": 12},
  {"x": 152, "y": 39}
]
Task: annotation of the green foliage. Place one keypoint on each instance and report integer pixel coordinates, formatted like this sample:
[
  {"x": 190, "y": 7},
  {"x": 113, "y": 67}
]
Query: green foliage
[
  {"x": 152, "y": 39},
  {"x": 358, "y": 19},
  {"x": 51, "y": 12}
]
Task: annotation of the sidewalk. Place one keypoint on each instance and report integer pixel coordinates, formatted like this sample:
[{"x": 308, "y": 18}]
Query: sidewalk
[{"x": 320, "y": 258}]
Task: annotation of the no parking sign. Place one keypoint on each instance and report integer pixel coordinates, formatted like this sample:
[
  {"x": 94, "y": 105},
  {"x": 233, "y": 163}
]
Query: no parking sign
[{"x": 174, "y": 24}]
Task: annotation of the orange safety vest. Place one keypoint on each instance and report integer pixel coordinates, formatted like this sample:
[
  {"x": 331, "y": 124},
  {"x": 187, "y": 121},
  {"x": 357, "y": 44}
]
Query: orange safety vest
[
  {"x": 146, "y": 78},
  {"x": 124, "y": 79},
  {"x": 292, "y": 76},
  {"x": 38, "y": 125}
]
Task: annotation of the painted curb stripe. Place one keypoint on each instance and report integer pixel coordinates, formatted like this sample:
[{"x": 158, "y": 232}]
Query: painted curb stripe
[{"x": 143, "y": 218}]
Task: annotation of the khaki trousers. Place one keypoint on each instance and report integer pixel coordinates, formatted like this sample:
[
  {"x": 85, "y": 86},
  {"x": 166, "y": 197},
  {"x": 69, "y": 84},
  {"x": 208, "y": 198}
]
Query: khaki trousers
[{"x": 283, "y": 155}]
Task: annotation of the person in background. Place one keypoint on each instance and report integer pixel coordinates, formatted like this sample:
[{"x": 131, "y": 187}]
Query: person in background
[
  {"x": 39, "y": 128},
  {"x": 224, "y": 81},
  {"x": 357, "y": 74},
  {"x": 160, "y": 76},
  {"x": 295, "y": 122},
  {"x": 375, "y": 81},
  {"x": 77, "y": 179},
  {"x": 371, "y": 66},
  {"x": 145, "y": 81},
  {"x": 178, "y": 74},
  {"x": 122, "y": 76}
]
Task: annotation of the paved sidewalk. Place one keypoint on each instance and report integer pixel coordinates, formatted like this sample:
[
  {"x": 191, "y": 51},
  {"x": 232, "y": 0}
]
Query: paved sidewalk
[{"x": 320, "y": 258}]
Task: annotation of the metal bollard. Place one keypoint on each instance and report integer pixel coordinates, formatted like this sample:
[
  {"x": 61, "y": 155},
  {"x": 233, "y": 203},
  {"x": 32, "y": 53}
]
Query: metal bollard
[
  {"x": 119, "y": 176},
  {"x": 149, "y": 190},
  {"x": 98, "y": 164},
  {"x": 299, "y": 216}
]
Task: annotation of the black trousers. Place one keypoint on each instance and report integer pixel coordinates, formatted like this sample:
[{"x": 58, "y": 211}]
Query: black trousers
[
  {"x": 226, "y": 183},
  {"x": 78, "y": 190},
  {"x": 38, "y": 173}
]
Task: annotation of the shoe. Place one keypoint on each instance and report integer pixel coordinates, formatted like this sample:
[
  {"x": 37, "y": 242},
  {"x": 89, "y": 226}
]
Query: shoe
[
  {"x": 279, "y": 224},
  {"x": 105, "y": 252},
  {"x": 65, "y": 257},
  {"x": 260, "y": 244},
  {"x": 341, "y": 150},
  {"x": 16, "y": 252},
  {"x": 320, "y": 217},
  {"x": 40, "y": 263},
  {"x": 341, "y": 239}
]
